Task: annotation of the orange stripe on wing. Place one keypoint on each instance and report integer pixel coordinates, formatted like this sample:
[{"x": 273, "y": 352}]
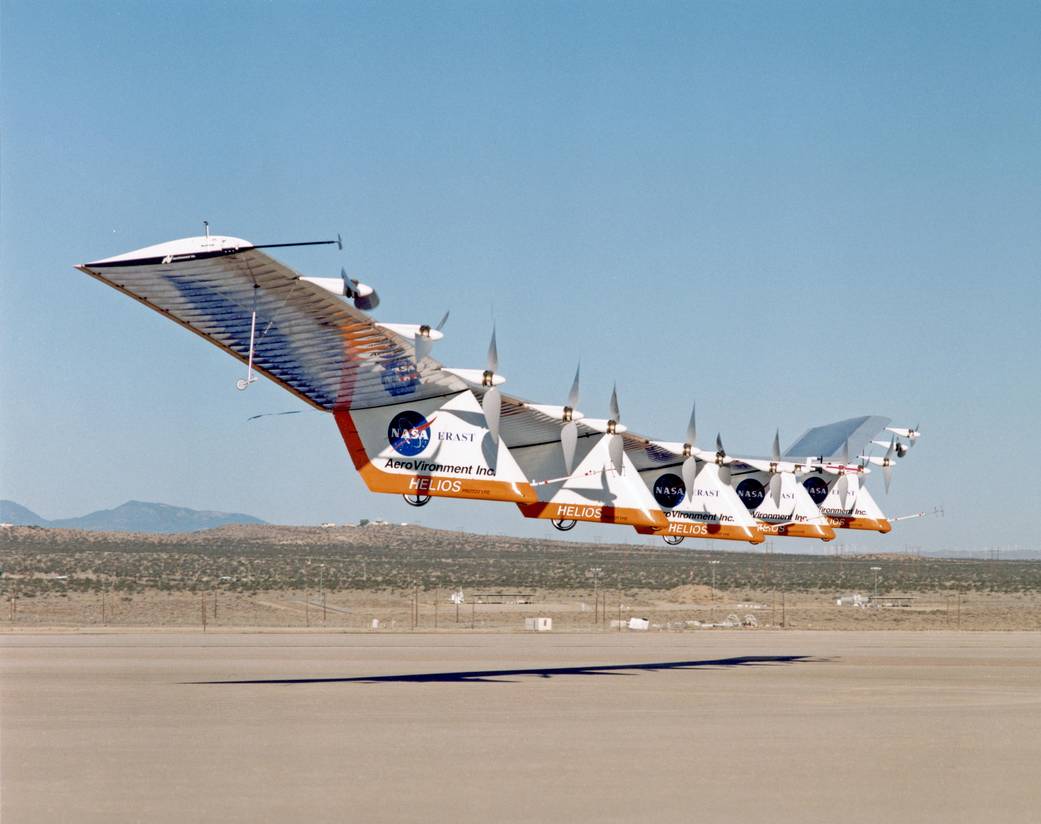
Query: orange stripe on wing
[
  {"x": 710, "y": 531},
  {"x": 594, "y": 513},
  {"x": 821, "y": 532},
  {"x": 870, "y": 524}
]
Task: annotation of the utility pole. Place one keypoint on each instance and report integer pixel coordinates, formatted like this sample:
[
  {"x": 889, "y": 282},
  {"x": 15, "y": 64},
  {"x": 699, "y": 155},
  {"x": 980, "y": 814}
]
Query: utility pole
[
  {"x": 713, "y": 564},
  {"x": 437, "y": 597},
  {"x": 321, "y": 588},
  {"x": 202, "y": 605},
  {"x": 876, "y": 570},
  {"x": 595, "y": 572}
]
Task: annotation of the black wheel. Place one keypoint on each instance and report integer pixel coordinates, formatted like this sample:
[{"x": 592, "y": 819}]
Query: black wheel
[
  {"x": 564, "y": 525},
  {"x": 672, "y": 540},
  {"x": 416, "y": 500}
]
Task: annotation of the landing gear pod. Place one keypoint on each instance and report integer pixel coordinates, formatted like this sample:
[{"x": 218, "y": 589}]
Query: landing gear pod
[
  {"x": 416, "y": 499},
  {"x": 563, "y": 524},
  {"x": 672, "y": 540}
]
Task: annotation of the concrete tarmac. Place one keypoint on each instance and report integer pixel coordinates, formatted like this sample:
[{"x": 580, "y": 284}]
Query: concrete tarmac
[{"x": 658, "y": 727}]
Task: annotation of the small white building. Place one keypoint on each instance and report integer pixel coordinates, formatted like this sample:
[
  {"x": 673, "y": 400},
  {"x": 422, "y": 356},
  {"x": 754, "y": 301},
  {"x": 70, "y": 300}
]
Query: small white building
[
  {"x": 538, "y": 624},
  {"x": 639, "y": 623}
]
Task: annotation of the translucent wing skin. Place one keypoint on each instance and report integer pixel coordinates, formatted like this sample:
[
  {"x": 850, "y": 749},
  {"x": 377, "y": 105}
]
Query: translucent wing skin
[
  {"x": 308, "y": 340},
  {"x": 828, "y": 441}
]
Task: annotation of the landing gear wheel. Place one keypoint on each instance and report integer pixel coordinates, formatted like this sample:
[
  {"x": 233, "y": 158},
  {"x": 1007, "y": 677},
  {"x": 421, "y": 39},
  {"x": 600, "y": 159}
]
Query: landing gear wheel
[
  {"x": 563, "y": 525},
  {"x": 672, "y": 540},
  {"x": 416, "y": 500}
]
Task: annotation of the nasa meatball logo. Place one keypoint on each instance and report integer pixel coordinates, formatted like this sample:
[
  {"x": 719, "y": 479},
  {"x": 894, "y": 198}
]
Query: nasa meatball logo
[
  {"x": 409, "y": 433},
  {"x": 817, "y": 488},
  {"x": 669, "y": 490},
  {"x": 751, "y": 493},
  {"x": 399, "y": 377}
]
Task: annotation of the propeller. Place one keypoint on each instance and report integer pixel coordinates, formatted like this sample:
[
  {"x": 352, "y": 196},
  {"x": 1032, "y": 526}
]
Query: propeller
[
  {"x": 424, "y": 340},
  {"x": 690, "y": 462},
  {"x": 776, "y": 473},
  {"x": 491, "y": 403},
  {"x": 487, "y": 379},
  {"x": 849, "y": 477},
  {"x": 616, "y": 446},
  {"x": 722, "y": 460},
  {"x": 778, "y": 469},
  {"x": 569, "y": 433},
  {"x": 570, "y": 416},
  {"x": 364, "y": 296},
  {"x": 886, "y": 461},
  {"x": 613, "y": 429}
]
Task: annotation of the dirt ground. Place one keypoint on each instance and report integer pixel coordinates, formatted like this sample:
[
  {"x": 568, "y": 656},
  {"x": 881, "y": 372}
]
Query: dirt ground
[
  {"x": 783, "y": 727},
  {"x": 685, "y": 608}
]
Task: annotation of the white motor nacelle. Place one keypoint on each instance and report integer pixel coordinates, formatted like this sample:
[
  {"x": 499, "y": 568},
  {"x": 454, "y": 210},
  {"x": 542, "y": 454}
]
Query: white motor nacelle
[{"x": 363, "y": 295}]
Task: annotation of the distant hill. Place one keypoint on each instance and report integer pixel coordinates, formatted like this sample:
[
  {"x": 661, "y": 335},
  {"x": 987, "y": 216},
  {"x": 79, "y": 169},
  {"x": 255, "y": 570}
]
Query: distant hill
[
  {"x": 12, "y": 513},
  {"x": 133, "y": 516}
]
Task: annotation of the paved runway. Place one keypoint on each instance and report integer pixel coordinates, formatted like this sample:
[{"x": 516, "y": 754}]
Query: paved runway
[{"x": 722, "y": 726}]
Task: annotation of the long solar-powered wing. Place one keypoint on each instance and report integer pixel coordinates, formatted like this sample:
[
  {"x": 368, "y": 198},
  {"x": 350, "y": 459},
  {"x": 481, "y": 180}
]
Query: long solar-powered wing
[
  {"x": 304, "y": 338},
  {"x": 416, "y": 428}
]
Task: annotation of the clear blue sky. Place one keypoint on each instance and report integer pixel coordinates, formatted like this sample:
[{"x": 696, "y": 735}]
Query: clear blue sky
[{"x": 792, "y": 212}]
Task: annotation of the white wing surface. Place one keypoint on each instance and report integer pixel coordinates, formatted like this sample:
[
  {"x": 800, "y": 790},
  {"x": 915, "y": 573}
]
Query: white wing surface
[
  {"x": 829, "y": 440},
  {"x": 307, "y": 339}
]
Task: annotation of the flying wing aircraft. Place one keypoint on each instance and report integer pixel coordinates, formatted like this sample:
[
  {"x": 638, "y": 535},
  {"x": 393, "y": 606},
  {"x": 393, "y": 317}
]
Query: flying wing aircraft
[{"x": 417, "y": 428}]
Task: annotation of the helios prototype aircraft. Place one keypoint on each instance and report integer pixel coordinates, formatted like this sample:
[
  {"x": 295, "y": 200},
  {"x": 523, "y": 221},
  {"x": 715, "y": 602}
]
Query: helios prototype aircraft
[{"x": 416, "y": 428}]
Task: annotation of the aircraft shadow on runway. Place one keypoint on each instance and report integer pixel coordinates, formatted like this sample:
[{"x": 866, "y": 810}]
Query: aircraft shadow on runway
[{"x": 502, "y": 676}]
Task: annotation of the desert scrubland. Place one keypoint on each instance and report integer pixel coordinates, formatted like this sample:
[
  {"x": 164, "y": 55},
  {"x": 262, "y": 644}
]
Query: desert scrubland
[{"x": 403, "y": 577}]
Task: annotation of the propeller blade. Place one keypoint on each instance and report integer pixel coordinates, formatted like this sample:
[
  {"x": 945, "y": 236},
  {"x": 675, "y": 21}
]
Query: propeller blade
[
  {"x": 569, "y": 442},
  {"x": 493, "y": 354},
  {"x": 892, "y": 448},
  {"x": 690, "y": 474},
  {"x": 842, "y": 486},
  {"x": 775, "y": 489},
  {"x": 616, "y": 414},
  {"x": 777, "y": 446},
  {"x": 423, "y": 346},
  {"x": 692, "y": 427},
  {"x": 616, "y": 449},
  {"x": 887, "y": 473},
  {"x": 572, "y": 396},
  {"x": 724, "y": 474},
  {"x": 844, "y": 455},
  {"x": 491, "y": 404},
  {"x": 441, "y": 323}
]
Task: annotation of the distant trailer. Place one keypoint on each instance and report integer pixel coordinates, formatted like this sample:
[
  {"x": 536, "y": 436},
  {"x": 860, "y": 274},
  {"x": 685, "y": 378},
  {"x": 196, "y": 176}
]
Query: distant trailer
[
  {"x": 504, "y": 597},
  {"x": 538, "y": 624},
  {"x": 890, "y": 601}
]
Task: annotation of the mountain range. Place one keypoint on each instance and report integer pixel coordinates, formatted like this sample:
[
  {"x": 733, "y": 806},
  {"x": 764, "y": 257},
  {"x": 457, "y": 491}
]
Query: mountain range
[{"x": 133, "y": 516}]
